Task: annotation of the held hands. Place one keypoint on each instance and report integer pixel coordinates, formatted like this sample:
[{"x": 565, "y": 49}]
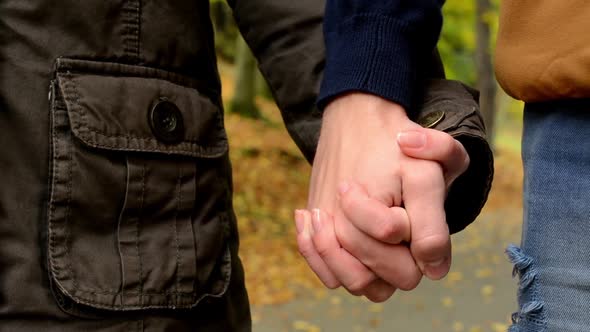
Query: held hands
[{"x": 375, "y": 220}]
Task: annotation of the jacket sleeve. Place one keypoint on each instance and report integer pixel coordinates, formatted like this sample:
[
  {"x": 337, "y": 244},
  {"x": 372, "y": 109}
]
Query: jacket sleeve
[
  {"x": 453, "y": 107},
  {"x": 286, "y": 38}
]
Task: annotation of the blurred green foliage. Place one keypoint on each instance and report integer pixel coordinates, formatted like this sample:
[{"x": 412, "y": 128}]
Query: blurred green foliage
[
  {"x": 457, "y": 40},
  {"x": 456, "y": 45}
]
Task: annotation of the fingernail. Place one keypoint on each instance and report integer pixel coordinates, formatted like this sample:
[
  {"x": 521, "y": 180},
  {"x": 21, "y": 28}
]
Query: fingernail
[
  {"x": 343, "y": 188},
  {"x": 437, "y": 270},
  {"x": 299, "y": 222},
  {"x": 316, "y": 221},
  {"x": 411, "y": 139}
]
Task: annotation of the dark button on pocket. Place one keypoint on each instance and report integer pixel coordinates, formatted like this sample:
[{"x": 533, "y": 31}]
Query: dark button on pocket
[
  {"x": 166, "y": 122},
  {"x": 431, "y": 119}
]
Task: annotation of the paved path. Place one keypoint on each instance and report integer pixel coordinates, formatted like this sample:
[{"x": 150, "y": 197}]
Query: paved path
[{"x": 477, "y": 296}]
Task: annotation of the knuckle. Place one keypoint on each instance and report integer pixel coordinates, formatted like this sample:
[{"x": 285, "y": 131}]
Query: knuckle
[
  {"x": 410, "y": 283},
  {"x": 380, "y": 297},
  {"x": 304, "y": 250},
  {"x": 324, "y": 251},
  {"x": 345, "y": 238},
  {"x": 397, "y": 171},
  {"x": 386, "y": 229},
  {"x": 347, "y": 202},
  {"x": 358, "y": 286},
  {"x": 432, "y": 244},
  {"x": 331, "y": 284},
  {"x": 431, "y": 168},
  {"x": 372, "y": 263},
  {"x": 303, "y": 245},
  {"x": 428, "y": 170},
  {"x": 351, "y": 202}
]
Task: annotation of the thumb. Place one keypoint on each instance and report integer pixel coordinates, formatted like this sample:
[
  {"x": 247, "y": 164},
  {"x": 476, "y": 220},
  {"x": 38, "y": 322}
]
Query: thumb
[{"x": 435, "y": 145}]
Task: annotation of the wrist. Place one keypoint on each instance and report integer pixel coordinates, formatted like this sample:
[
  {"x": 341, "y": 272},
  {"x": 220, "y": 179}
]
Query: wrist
[{"x": 356, "y": 110}]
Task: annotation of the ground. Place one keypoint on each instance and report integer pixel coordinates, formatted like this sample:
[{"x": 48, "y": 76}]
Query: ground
[{"x": 270, "y": 178}]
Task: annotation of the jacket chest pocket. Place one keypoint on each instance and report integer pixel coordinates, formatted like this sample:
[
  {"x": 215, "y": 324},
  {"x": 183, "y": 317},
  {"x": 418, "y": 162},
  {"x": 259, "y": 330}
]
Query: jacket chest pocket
[{"x": 138, "y": 212}]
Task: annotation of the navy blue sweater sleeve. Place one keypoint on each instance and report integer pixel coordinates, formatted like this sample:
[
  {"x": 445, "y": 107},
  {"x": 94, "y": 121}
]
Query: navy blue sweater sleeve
[{"x": 378, "y": 46}]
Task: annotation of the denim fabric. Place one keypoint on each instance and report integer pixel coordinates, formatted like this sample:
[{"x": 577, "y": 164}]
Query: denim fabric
[{"x": 554, "y": 260}]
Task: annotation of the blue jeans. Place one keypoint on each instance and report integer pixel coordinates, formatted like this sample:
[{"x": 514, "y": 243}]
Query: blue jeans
[{"x": 554, "y": 260}]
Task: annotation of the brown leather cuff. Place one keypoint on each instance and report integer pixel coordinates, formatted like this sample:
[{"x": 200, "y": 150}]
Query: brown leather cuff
[{"x": 453, "y": 107}]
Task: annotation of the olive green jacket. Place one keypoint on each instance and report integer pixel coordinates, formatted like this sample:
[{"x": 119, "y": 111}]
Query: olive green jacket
[{"x": 115, "y": 182}]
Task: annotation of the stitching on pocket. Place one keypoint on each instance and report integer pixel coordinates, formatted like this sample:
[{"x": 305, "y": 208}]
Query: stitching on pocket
[
  {"x": 82, "y": 126},
  {"x": 137, "y": 225},
  {"x": 54, "y": 171},
  {"x": 66, "y": 150},
  {"x": 153, "y": 305},
  {"x": 178, "y": 202},
  {"x": 67, "y": 220},
  {"x": 107, "y": 292}
]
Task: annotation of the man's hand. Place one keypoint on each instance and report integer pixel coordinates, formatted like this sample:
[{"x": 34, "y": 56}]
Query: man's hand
[
  {"x": 435, "y": 145},
  {"x": 358, "y": 153}
]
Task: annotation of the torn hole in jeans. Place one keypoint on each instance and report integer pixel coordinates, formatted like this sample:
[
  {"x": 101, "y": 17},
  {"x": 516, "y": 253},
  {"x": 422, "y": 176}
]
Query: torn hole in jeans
[{"x": 531, "y": 314}]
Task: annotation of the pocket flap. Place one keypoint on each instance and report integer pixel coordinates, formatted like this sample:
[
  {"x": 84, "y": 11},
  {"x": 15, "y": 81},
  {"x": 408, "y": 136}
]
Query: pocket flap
[{"x": 130, "y": 108}]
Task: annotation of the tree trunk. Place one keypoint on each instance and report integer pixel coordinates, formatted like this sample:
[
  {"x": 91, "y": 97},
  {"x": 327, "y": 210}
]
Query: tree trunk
[
  {"x": 245, "y": 89},
  {"x": 486, "y": 82}
]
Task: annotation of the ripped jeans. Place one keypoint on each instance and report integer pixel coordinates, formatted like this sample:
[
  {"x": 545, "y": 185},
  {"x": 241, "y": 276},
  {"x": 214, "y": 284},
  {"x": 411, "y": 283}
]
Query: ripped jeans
[{"x": 553, "y": 262}]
